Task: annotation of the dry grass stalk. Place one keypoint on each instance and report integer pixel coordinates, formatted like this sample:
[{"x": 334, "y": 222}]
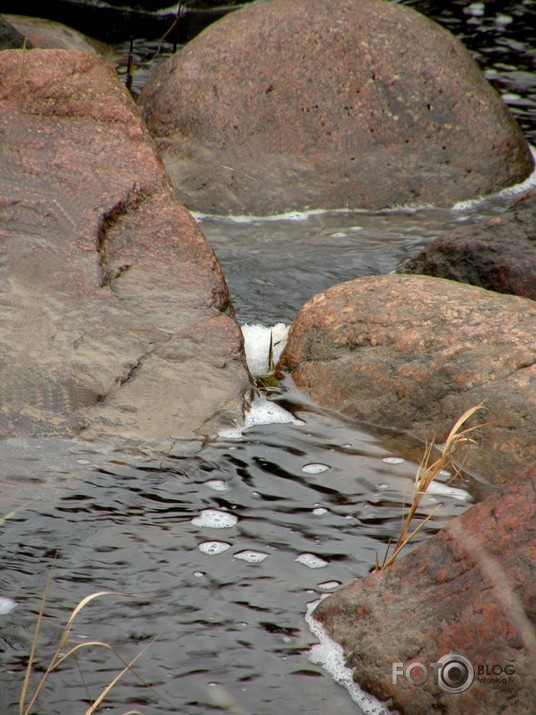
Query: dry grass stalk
[
  {"x": 426, "y": 473},
  {"x": 60, "y": 656}
]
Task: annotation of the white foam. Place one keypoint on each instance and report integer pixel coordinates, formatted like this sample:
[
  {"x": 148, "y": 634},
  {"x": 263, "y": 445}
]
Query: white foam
[
  {"x": 6, "y": 605},
  {"x": 393, "y": 460},
  {"x": 218, "y": 485},
  {"x": 320, "y": 511},
  {"x": 444, "y": 490},
  {"x": 330, "y": 656},
  {"x": 315, "y": 468},
  {"x": 214, "y": 519},
  {"x": 252, "y": 557},
  {"x": 231, "y": 432},
  {"x": 261, "y": 412},
  {"x": 257, "y": 345},
  {"x": 311, "y": 561},
  {"x": 285, "y": 216},
  {"x": 329, "y": 585},
  {"x": 212, "y": 548},
  {"x": 265, "y": 412}
]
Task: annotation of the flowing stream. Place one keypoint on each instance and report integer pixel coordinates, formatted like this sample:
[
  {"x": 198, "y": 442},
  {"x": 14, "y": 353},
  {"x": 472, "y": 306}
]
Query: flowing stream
[{"x": 217, "y": 551}]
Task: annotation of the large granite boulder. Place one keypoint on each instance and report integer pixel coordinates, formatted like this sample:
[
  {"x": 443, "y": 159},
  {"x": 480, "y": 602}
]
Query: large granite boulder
[
  {"x": 115, "y": 318},
  {"x": 468, "y": 591},
  {"x": 498, "y": 254},
  {"x": 415, "y": 352},
  {"x": 329, "y": 103}
]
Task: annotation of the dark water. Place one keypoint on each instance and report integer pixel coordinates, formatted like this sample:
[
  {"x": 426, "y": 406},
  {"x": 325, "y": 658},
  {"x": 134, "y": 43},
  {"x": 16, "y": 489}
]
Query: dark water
[
  {"x": 272, "y": 266},
  {"x": 112, "y": 517},
  {"x": 105, "y": 518}
]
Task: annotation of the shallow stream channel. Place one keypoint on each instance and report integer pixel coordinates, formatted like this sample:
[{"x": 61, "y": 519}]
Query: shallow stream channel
[{"x": 216, "y": 553}]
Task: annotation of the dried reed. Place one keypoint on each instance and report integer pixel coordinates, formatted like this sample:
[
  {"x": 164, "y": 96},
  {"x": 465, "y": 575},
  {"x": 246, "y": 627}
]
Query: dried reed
[
  {"x": 60, "y": 656},
  {"x": 427, "y": 471}
]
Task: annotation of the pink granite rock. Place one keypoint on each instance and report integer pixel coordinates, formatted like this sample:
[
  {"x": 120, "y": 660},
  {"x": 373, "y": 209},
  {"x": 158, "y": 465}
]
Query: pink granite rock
[
  {"x": 329, "y": 103},
  {"x": 115, "y": 319}
]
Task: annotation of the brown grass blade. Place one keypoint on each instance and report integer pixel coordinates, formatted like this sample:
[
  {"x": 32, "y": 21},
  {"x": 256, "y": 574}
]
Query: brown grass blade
[
  {"x": 57, "y": 658},
  {"x": 27, "y": 675},
  {"x": 118, "y": 677},
  {"x": 426, "y": 473}
]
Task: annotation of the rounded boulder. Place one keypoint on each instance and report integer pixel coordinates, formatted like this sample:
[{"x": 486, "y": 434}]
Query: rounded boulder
[
  {"x": 294, "y": 104},
  {"x": 414, "y": 353}
]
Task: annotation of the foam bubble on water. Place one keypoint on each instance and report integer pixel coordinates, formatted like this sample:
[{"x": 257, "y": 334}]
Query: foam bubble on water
[
  {"x": 315, "y": 468},
  {"x": 330, "y": 656},
  {"x": 6, "y": 605},
  {"x": 252, "y": 557},
  {"x": 214, "y": 519},
  {"x": 261, "y": 412},
  {"x": 445, "y": 490},
  {"x": 311, "y": 561},
  {"x": 257, "y": 345},
  {"x": 213, "y": 548},
  {"x": 329, "y": 585},
  {"x": 393, "y": 460},
  {"x": 320, "y": 511},
  {"x": 218, "y": 485}
]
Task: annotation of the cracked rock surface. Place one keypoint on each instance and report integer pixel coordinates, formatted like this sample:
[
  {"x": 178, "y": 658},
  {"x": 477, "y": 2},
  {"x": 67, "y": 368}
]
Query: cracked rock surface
[
  {"x": 415, "y": 352},
  {"x": 114, "y": 314}
]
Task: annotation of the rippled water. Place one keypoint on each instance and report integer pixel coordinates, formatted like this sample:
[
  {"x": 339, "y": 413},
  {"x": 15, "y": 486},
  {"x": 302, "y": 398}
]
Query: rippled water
[
  {"x": 273, "y": 265},
  {"x": 221, "y": 547},
  {"x": 226, "y": 548}
]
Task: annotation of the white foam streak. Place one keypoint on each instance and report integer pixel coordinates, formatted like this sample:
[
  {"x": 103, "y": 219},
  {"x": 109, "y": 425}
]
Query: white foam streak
[
  {"x": 285, "y": 216},
  {"x": 330, "y": 656}
]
